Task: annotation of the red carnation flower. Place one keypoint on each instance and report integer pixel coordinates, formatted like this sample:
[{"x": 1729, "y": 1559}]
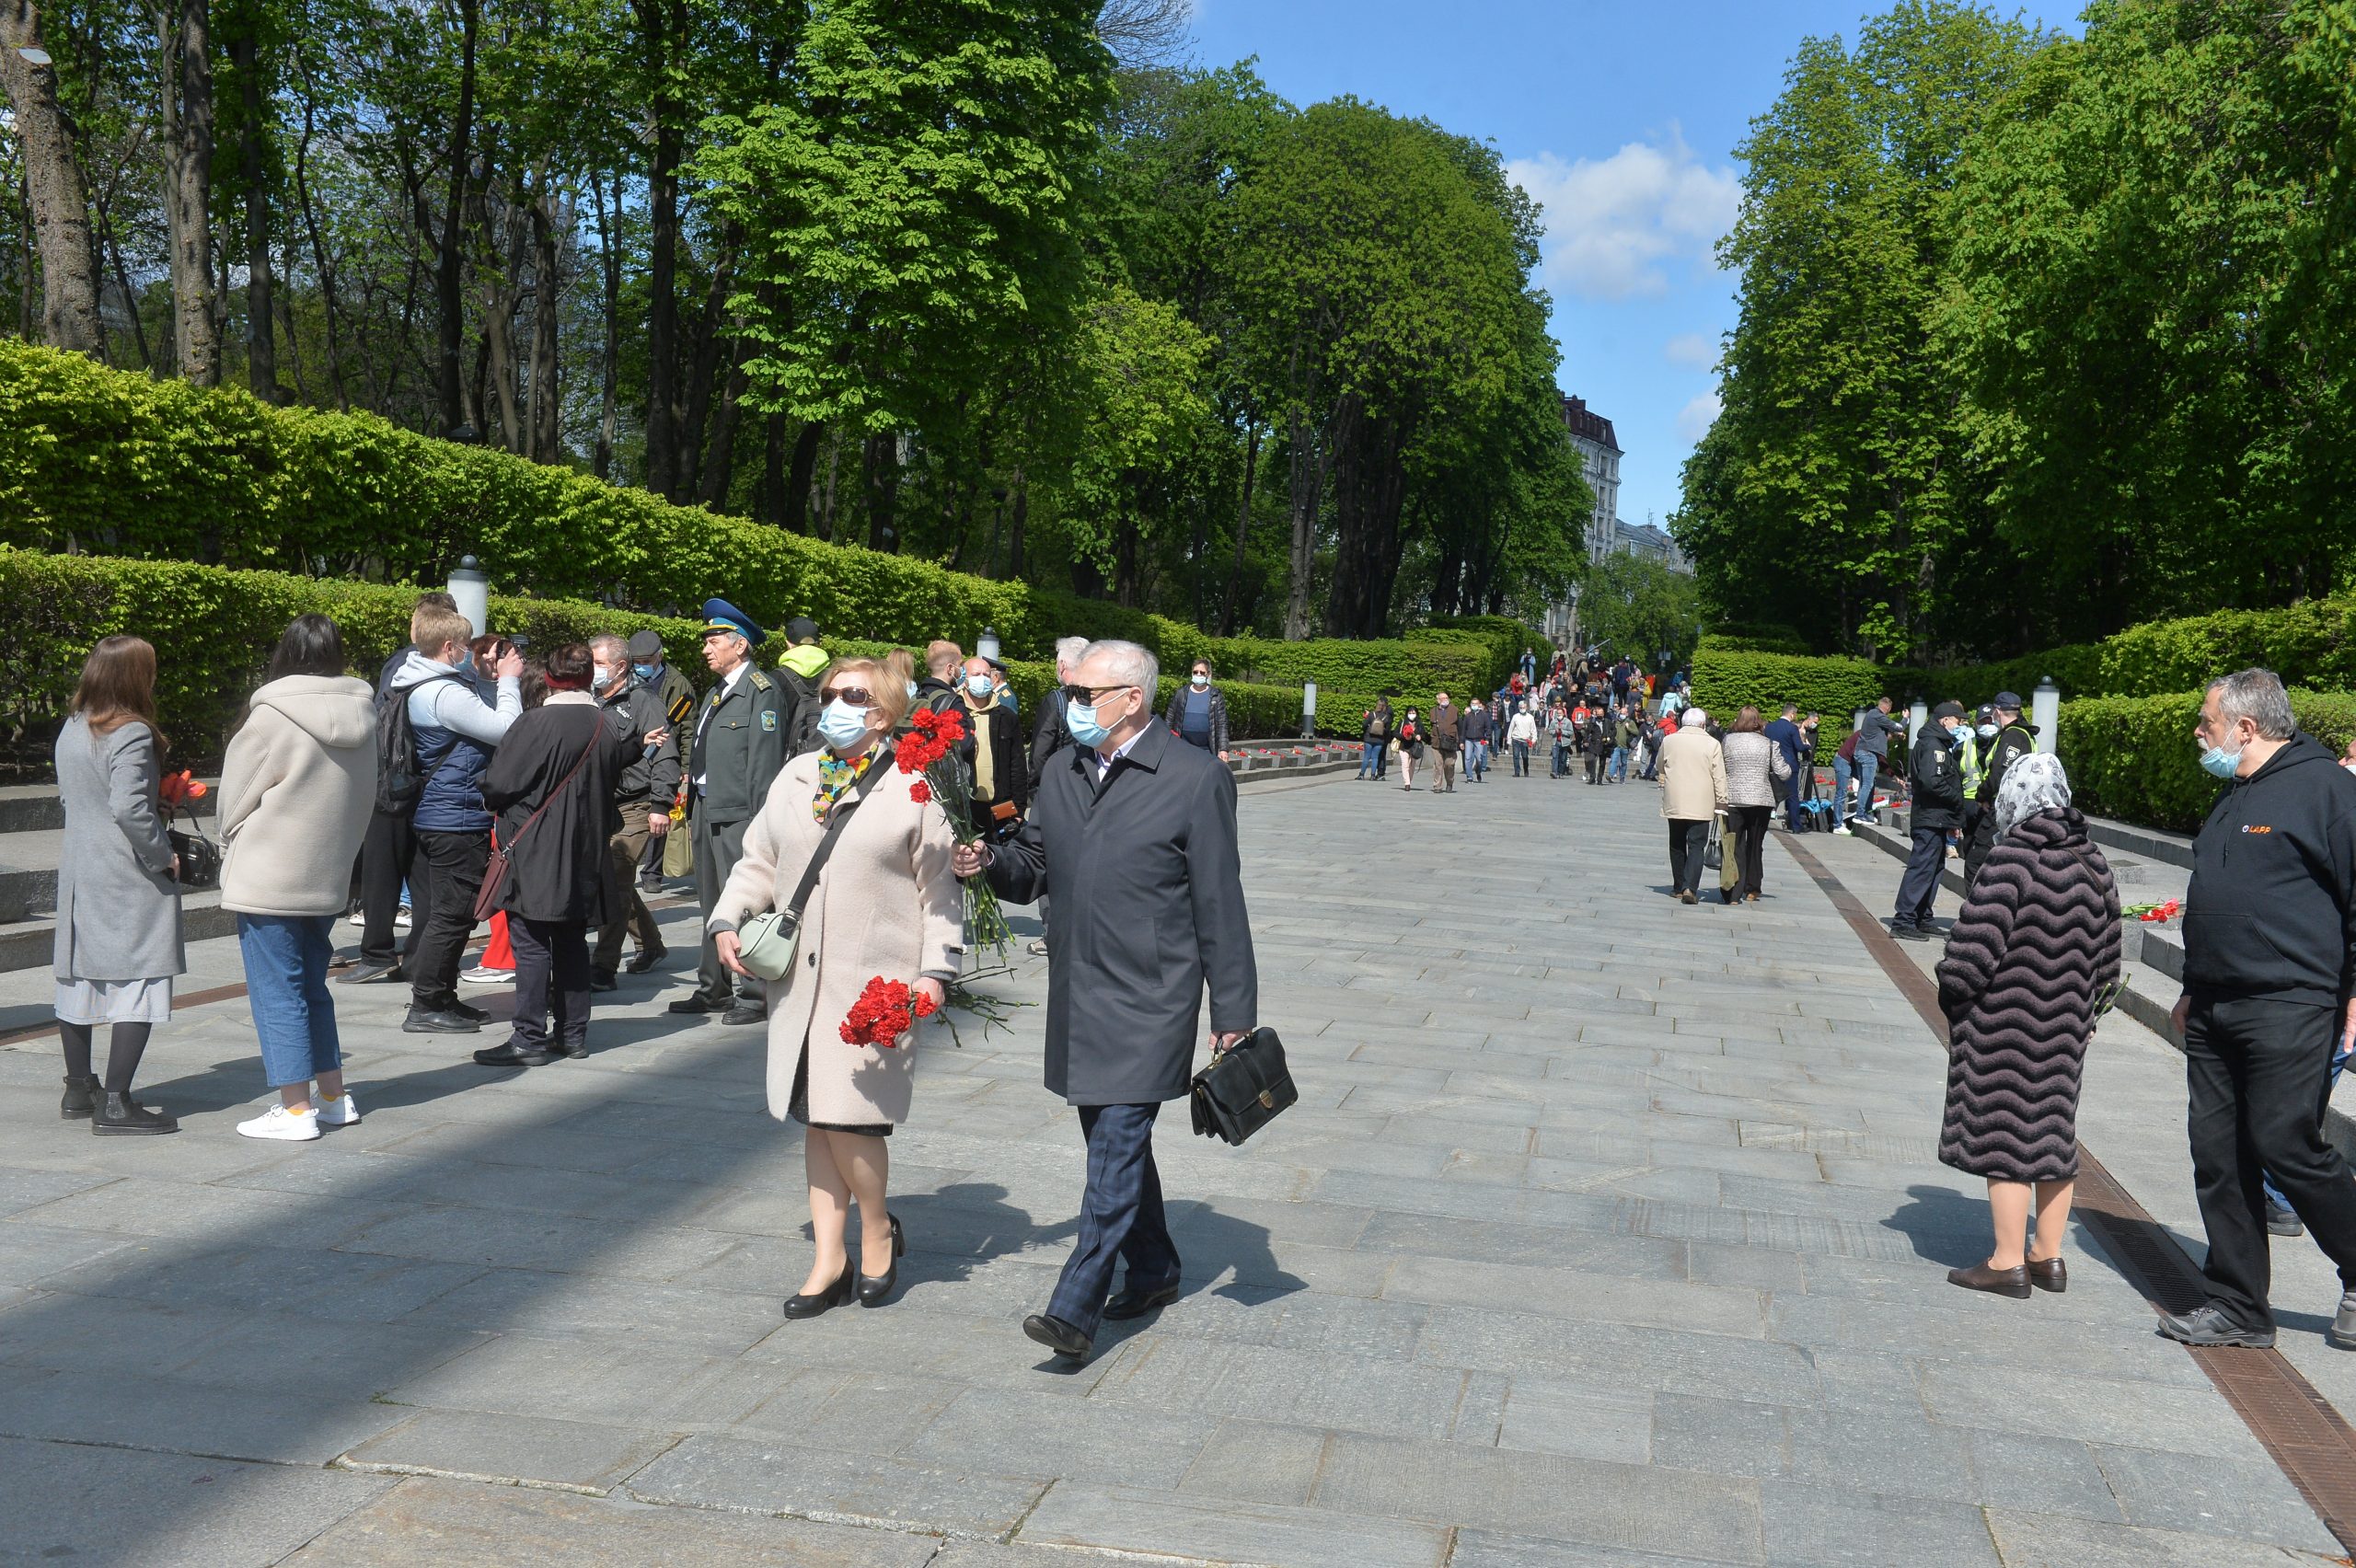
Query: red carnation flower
[{"x": 920, "y": 791}]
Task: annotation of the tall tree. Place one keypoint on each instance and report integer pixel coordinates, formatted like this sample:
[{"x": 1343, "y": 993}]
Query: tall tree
[
  {"x": 57, "y": 197},
  {"x": 184, "y": 33}
]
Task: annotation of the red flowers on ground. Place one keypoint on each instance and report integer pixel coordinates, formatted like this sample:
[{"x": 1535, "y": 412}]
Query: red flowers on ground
[
  {"x": 885, "y": 1011},
  {"x": 2154, "y": 914}
]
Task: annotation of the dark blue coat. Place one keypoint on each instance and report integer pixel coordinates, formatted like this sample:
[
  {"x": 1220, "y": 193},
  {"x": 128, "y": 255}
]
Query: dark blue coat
[{"x": 1148, "y": 890}]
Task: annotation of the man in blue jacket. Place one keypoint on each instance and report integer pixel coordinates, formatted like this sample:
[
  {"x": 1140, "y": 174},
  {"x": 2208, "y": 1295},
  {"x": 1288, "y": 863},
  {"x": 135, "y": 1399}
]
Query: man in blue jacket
[
  {"x": 2270, "y": 956},
  {"x": 1134, "y": 832},
  {"x": 457, "y": 725},
  {"x": 1785, "y": 733},
  {"x": 1937, "y": 779}
]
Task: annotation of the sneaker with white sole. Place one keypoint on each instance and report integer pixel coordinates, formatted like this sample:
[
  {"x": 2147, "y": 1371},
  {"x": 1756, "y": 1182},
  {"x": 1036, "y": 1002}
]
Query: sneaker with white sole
[
  {"x": 1843, "y": 831},
  {"x": 401, "y": 918},
  {"x": 344, "y": 1112},
  {"x": 282, "y": 1126},
  {"x": 478, "y": 976},
  {"x": 359, "y": 918}
]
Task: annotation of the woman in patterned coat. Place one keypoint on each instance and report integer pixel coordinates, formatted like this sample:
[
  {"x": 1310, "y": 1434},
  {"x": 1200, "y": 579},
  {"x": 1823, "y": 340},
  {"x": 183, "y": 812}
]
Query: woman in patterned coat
[{"x": 2031, "y": 958}]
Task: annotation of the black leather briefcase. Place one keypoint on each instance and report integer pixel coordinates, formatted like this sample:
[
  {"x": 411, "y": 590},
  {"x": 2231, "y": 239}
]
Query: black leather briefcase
[{"x": 1244, "y": 1089}]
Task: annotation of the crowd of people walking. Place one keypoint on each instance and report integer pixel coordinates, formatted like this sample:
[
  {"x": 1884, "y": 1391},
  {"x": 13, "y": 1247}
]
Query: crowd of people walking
[{"x": 477, "y": 779}]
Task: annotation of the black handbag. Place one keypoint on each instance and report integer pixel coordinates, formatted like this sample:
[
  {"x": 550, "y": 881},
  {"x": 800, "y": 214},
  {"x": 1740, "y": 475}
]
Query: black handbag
[
  {"x": 200, "y": 867},
  {"x": 1242, "y": 1089}
]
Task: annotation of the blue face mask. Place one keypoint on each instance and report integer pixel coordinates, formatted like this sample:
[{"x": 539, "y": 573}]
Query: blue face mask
[
  {"x": 978, "y": 685},
  {"x": 466, "y": 660},
  {"x": 645, "y": 672},
  {"x": 1080, "y": 718},
  {"x": 2222, "y": 762},
  {"x": 842, "y": 726}
]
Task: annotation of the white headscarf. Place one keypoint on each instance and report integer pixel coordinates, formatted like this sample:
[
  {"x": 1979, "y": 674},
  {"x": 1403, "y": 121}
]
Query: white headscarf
[{"x": 2033, "y": 782}]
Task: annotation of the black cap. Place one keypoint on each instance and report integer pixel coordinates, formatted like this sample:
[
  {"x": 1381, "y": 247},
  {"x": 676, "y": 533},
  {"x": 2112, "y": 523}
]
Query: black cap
[
  {"x": 802, "y": 629},
  {"x": 2011, "y": 700},
  {"x": 645, "y": 644},
  {"x": 1947, "y": 711}
]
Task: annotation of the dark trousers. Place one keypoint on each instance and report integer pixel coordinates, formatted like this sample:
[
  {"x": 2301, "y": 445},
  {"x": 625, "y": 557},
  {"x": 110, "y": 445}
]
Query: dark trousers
[
  {"x": 551, "y": 975},
  {"x": 719, "y": 845},
  {"x": 1594, "y": 766},
  {"x": 385, "y": 857},
  {"x": 1749, "y": 825},
  {"x": 1978, "y": 837},
  {"x": 444, "y": 878},
  {"x": 1792, "y": 798},
  {"x": 2255, "y": 1067},
  {"x": 1687, "y": 840},
  {"x": 1562, "y": 768},
  {"x": 1522, "y": 759},
  {"x": 1920, "y": 884},
  {"x": 623, "y": 850},
  {"x": 1120, "y": 1215}
]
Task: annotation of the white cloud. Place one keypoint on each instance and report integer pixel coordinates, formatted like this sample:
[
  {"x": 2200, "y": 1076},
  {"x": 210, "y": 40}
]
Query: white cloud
[
  {"x": 1694, "y": 420},
  {"x": 1613, "y": 226},
  {"x": 1696, "y": 351}
]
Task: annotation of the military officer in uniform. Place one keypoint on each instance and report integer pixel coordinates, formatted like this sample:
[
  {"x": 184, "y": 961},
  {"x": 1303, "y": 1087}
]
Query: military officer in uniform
[{"x": 740, "y": 743}]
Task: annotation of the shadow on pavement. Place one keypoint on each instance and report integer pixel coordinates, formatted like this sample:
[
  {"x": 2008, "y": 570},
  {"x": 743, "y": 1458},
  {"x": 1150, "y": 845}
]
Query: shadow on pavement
[{"x": 1944, "y": 1225}]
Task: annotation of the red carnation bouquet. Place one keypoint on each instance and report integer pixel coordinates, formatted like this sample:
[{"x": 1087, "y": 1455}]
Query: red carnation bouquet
[
  {"x": 177, "y": 789},
  {"x": 884, "y": 1011},
  {"x": 929, "y": 749}
]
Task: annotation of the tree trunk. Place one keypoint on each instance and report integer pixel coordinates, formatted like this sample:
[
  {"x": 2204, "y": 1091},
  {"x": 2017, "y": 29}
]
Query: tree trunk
[
  {"x": 1014, "y": 526},
  {"x": 881, "y": 467},
  {"x": 261, "y": 343},
  {"x": 448, "y": 296},
  {"x": 57, "y": 202},
  {"x": 799, "y": 474},
  {"x": 500, "y": 298},
  {"x": 319, "y": 244},
  {"x": 1243, "y": 524},
  {"x": 719, "y": 452},
  {"x": 546, "y": 224},
  {"x": 601, "y": 461},
  {"x": 713, "y": 347},
  {"x": 659, "y": 23},
  {"x": 1308, "y": 484},
  {"x": 186, "y": 87},
  {"x": 772, "y": 503}
]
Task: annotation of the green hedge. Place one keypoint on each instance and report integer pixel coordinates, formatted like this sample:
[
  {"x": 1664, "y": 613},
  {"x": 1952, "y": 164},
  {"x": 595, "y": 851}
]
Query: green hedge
[
  {"x": 120, "y": 465},
  {"x": 214, "y": 629},
  {"x": 1725, "y": 681},
  {"x": 2134, "y": 758}
]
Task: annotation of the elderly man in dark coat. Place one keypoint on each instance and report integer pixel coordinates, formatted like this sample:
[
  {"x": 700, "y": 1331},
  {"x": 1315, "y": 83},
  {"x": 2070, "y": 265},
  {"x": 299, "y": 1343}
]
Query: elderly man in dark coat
[{"x": 1134, "y": 832}]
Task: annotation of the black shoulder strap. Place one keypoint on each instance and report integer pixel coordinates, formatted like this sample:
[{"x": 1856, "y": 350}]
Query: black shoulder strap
[{"x": 841, "y": 814}]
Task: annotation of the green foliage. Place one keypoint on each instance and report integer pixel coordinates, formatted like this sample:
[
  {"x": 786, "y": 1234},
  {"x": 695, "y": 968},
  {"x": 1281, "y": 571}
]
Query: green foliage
[
  {"x": 123, "y": 465},
  {"x": 1635, "y": 604},
  {"x": 2134, "y": 758},
  {"x": 1755, "y": 639},
  {"x": 1834, "y": 490},
  {"x": 1836, "y": 687}
]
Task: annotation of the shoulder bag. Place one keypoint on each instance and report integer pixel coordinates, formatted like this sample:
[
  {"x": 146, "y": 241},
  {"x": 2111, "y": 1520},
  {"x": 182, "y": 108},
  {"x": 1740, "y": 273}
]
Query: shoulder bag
[
  {"x": 1242, "y": 1089},
  {"x": 494, "y": 874},
  {"x": 766, "y": 942}
]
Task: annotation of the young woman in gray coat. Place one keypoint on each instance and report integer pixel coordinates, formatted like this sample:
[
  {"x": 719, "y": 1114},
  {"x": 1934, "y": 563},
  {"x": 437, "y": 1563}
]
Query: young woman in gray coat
[{"x": 119, "y": 929}]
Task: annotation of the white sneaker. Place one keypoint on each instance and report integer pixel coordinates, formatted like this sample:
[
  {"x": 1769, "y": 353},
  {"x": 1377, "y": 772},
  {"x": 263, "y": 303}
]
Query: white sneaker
[
  {"x": 340, "y": 1112},
  {"x": 478, "y": 976},
  {"x": 359, "y": 918},
  {"x": 1844, "y": 831},
  {"x": 282, "y": 1125},
  {"x": 400, "y": 918}
]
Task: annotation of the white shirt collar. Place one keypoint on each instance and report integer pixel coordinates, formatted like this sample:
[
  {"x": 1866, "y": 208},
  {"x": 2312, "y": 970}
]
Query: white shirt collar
[{"x": 1104, "y": 764}]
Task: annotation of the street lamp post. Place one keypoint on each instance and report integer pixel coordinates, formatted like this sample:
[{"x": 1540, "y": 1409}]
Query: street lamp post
[
  {"x": 471, "y": 586},
  {"x": 2045, "y": 713}
]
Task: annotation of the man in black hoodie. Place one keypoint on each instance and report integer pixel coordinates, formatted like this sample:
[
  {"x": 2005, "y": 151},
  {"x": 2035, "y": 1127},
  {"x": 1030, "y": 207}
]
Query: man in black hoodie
[
  {"x": 2270, "y": 931},
  {"x": 1937, "y": 779}
]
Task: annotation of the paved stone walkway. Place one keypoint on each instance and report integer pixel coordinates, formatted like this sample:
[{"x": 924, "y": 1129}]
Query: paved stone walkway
[{"x": 1608, "y": 1232}]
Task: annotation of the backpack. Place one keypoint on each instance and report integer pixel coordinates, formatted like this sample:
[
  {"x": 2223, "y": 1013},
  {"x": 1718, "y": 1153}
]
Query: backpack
[
  {"x": 801, "y": 716},
  {"x": 398, "y": 782}
]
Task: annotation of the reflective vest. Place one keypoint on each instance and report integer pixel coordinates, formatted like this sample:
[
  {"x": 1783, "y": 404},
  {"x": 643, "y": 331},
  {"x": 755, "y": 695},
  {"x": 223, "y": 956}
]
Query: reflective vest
[{"x": 1977, "y": 753}]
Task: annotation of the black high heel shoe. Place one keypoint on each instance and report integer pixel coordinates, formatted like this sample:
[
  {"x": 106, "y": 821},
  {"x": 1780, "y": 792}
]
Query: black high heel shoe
[
  {"x": 833, "y": 1296},
  {"x": 872, "y": 1291}
]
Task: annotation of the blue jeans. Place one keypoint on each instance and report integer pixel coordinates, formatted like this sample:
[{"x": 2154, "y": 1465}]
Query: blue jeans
[
  {"x": 1840, "y": 789},
  {"x": 1476, "y": 758},
  {"x": 286, "y": 982},
  {"x": 2331, "y": 1081},
  {"x": 1522, "y": 759},
  {"x": 1370, "y": 759},
  {"x": 1619, "y": 769},
  {"x": 1866, "y": 765}
]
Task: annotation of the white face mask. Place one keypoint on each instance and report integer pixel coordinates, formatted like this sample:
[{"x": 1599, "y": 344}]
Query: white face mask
[
  {"x": 1201, "y": 679},
  {"x": 978, "y": 685},
  {"x": 603, "y": 678}
]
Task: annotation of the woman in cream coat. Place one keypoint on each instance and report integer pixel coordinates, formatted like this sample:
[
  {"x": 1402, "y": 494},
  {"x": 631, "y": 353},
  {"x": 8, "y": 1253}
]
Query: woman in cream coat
[{"x": 887, "y": 905}]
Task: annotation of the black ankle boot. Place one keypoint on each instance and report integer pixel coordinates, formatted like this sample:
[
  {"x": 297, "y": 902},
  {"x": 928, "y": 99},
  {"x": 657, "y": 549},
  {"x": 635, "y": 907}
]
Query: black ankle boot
[
  {"x": 117, "y": 1113},
  {"x": 81, "y": 1097}
]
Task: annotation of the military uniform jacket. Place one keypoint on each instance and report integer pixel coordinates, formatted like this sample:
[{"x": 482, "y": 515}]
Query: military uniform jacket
[
  {"x": 740, "y": 744},
  {"x": 1148, "y": 890}
]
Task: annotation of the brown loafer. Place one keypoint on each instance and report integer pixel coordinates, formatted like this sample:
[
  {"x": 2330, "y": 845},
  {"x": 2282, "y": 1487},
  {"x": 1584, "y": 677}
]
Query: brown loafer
[
  {"x": 2011, "y": 1282},
  {"x": 2050, "y": 1274}
]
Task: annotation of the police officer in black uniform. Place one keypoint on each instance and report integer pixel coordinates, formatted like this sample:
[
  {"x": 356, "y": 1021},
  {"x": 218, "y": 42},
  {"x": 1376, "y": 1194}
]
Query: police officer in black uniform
[
  {"x": 2014, "y": 740},
  {"x": 741, "y": 741}
]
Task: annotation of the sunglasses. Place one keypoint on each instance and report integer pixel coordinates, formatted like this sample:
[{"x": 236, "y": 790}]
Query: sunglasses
[
  {"x": 857, "y": 696},
  {"x": 1087, "y": 696}
]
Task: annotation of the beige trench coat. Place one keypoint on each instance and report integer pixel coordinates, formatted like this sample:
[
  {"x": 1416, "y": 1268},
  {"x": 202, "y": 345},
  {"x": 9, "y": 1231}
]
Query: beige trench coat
[
  {"x": 886, "y": 904},
  {"x": 1692, "y": 777}
]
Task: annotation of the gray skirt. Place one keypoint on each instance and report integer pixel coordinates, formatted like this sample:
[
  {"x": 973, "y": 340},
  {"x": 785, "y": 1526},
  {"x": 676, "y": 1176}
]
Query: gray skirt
[{"x": 91, "y": 1002}]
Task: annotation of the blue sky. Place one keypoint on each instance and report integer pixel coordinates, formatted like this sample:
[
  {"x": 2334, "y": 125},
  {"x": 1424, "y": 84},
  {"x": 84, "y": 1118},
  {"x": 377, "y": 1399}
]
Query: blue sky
[{"x": 1620, "y": 118}]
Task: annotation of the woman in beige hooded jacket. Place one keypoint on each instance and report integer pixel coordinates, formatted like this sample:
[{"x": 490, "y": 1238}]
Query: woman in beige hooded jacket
[{"x": 297, "y": 788}]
